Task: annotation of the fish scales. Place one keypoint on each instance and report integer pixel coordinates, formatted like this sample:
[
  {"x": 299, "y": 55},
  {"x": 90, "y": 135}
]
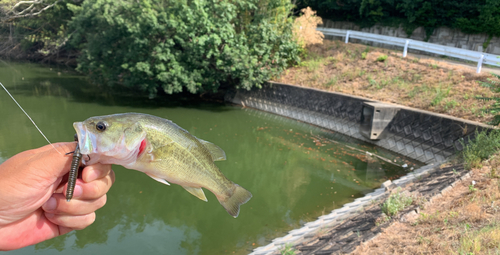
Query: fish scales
[
  {"x": 185, "y": 160},
  {"x": 162, "y": 150}
]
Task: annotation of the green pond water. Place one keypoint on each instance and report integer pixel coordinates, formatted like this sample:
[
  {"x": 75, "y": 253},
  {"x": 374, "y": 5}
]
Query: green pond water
[{"x": 296, "y": 172}]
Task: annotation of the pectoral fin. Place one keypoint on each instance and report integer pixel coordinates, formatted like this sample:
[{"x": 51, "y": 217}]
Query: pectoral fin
[
  {"x": 159, "y": 179},
  {"x": 197, "y": 192},
  {"x": 215, "y": 151}
]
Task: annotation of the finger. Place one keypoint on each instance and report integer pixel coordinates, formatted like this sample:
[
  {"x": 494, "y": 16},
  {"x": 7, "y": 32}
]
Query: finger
[
  {"x": 67, "y": 223},
  {"x": 40, "y": 168},
  {"x": 57, "y": 204},
  {"x": 92, "y": 190},
  {"x": 64, "y": 230},
  {"x": 54, "y": 163},
  {"x": 97, "y": 188},
  {"x": 62, "y": 185},
  {"x": 95, "y": 171}
]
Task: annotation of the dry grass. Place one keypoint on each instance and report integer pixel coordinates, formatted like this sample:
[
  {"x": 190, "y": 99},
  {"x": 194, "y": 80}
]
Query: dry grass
[
  {"x": 420, "y": 83},
  {"x": 304, "y": 28},
  {"x": 464, "y": 221},
  {"x": 467, "y": 219}
]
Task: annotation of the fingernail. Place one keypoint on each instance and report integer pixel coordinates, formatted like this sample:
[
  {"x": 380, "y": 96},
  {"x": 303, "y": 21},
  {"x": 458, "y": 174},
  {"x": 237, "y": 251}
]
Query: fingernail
[
  {"x": 50, "y": 205},
  {"x": 78, "y": 191}
]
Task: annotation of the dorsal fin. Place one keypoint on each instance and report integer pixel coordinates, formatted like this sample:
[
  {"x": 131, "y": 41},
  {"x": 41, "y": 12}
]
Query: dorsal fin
[{"x": 215, "y": 151}]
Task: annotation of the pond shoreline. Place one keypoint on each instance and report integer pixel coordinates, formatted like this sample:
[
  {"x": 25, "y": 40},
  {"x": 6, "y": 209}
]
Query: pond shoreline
[
  {"x": 421, "y": 135},
  {"x": 341, "y": 113}
]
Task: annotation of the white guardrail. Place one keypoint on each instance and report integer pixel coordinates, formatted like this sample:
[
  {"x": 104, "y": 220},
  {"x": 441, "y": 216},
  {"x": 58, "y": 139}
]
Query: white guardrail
[{"x": 476, "y": 56}]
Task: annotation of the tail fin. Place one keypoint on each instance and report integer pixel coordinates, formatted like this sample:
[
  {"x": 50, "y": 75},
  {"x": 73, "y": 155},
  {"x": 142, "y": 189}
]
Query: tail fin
[{"x": 239, "y": 197}]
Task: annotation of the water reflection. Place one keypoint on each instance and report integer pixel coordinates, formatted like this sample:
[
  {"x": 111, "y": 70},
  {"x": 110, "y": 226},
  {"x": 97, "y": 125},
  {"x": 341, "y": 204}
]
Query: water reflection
[
  {"x": 295, "y": 171},
  {"x": 174, "y": 240},
  {"x": 374, "y": 170}
]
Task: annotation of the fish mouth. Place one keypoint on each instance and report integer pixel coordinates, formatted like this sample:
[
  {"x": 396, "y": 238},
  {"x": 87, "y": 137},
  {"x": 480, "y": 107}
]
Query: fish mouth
[{"x": 86, "y": 140}]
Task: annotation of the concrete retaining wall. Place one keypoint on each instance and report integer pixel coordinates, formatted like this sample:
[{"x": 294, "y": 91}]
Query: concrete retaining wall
[
  {"x": 420, "y": 135},
  {"x": 442, "y": 35}
]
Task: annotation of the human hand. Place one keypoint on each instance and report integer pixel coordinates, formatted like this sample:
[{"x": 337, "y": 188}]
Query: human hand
[{"x": 33, "y": 207}]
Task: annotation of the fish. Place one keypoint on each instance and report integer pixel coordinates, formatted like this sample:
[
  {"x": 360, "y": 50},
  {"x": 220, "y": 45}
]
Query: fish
[{"x": 162, "y": 150}]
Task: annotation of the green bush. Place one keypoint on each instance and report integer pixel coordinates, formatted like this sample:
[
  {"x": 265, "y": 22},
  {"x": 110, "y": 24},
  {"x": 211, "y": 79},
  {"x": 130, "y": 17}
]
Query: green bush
[
  {"x": 183, "y": 45},
  {"x": 382, "y": 58},
  {"x": 395, "y": 203},
  {"x": 484, "y": 145}
]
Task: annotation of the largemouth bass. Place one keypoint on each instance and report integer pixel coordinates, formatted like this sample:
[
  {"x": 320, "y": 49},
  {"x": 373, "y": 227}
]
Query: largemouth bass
[{"x": 162, "y": 150}]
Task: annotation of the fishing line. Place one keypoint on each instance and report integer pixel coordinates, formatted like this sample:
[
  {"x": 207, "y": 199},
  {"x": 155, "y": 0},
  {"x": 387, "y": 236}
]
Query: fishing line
[{"x": 29, "y": 118}]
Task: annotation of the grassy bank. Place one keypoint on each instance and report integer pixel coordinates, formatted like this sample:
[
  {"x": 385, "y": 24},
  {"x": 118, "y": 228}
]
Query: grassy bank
[
  {"x": 384, "y": 75},
  {"x": 467, "y": 219}
]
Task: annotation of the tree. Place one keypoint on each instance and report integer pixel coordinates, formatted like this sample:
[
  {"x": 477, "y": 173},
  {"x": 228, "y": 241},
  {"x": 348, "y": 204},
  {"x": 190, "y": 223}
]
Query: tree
[
  {"x": 35, "y": 30},
  {"x": 13, "y": 9},
  {"x": 196, "y": 45}
]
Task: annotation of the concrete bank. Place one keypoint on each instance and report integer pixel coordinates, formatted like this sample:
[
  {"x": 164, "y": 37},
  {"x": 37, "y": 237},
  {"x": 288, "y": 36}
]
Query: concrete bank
[{"x": 421, "y": 135}]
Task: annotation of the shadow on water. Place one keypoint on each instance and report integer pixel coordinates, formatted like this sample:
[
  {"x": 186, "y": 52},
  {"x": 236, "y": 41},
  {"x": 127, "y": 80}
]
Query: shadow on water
[{"x": 34, "y": 80}]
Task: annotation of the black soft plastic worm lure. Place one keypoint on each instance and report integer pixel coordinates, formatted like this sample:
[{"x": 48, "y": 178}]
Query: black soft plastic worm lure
[{"x": 73, "y": 172}]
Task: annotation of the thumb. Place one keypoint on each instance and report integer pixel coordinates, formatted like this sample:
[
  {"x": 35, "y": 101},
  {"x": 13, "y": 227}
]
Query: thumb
[
  {"x": 51, "y": 161},
  {"x": 37, "y": 171}
]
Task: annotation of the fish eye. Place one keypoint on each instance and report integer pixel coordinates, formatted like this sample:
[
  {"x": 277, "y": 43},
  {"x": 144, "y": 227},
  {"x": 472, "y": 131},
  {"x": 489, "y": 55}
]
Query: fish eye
[{"x": 100, "y": 126}]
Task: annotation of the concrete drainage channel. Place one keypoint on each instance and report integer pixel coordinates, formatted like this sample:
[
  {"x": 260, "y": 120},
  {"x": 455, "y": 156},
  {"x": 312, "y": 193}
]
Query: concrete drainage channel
[{"x": 424, "y": 136}]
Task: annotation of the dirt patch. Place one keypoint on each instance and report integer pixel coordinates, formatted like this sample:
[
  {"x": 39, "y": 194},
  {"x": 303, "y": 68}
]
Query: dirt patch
[
  {"x": 465, "y": 220},
  {"x": 382, "y": 75}
]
